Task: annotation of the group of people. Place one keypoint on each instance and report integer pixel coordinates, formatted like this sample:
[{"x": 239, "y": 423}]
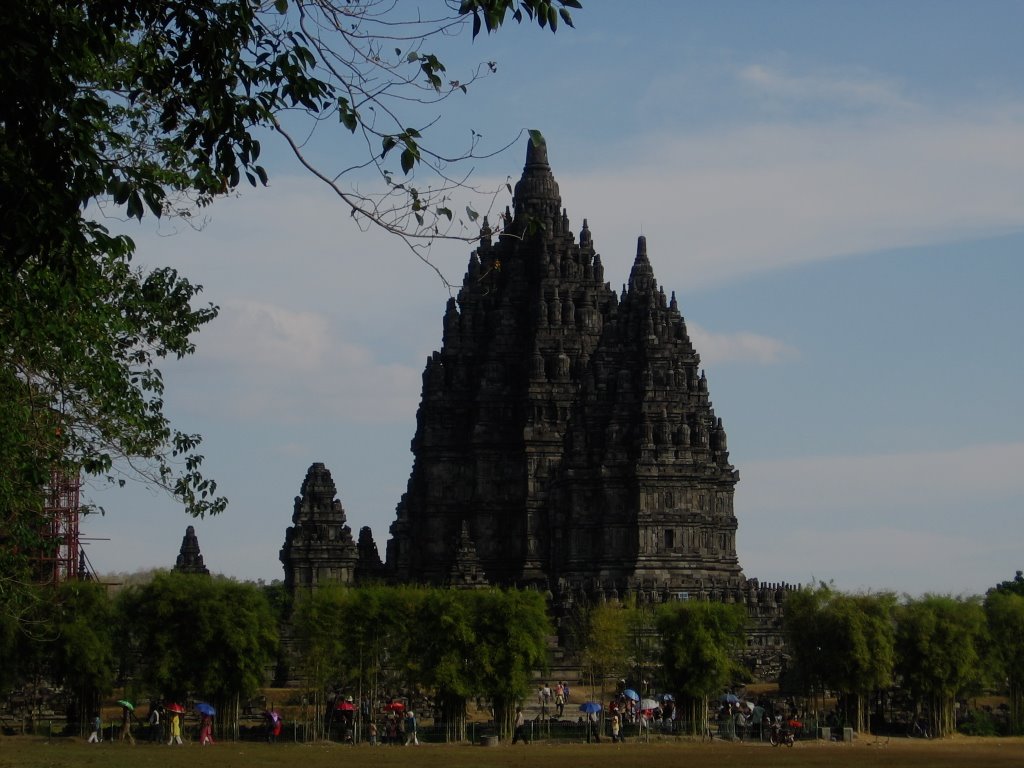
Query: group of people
[
  {"x": 154, "y": 721},
  {"x": 559, "y": 696},
  {"x": 398, "y": 728}
]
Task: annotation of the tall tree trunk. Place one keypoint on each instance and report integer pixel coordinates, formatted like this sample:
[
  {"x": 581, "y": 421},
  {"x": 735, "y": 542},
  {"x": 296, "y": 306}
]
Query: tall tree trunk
[{"x": 1016, "y": 706}]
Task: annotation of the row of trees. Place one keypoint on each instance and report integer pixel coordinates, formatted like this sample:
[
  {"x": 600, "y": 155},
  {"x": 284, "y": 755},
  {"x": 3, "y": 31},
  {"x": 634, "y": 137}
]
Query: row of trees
[
  {"x": 181, "y": 637},
  {"x": 449, "y": 645},
  {"x": 938, "y": 648},
  {"x": 184, "y": 636},
  {"x": 174, "y": 638}
]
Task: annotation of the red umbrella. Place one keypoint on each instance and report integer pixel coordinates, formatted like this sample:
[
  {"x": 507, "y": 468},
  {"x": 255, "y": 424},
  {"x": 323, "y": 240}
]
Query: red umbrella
[
  {"x": 345, "y": 706},
  {"x": 395, "y": 706},
  {"x": 175, "y": 708}
]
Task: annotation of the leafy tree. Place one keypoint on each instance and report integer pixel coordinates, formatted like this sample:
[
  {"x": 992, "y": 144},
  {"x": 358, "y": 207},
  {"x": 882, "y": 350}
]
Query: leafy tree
[
  {"x": 1004, "y": 609},
  {"x": 321, "y": 627},
  {"x": 83, "y": 657},
  {"x": 445, "y": 646},
  {"x": 938, "y": 653},
  {"x": 208, "y": 636},
  {"x": 119, "y": 108},
  {"x": 453, "y": 643},
  {"x": 606, "y": 652},
  {"x": 511, "y": 628},
  {"x": 843, "y": 643},
  {"x": 1014, "y": 586},
  {"x": 699, "y": 640}
]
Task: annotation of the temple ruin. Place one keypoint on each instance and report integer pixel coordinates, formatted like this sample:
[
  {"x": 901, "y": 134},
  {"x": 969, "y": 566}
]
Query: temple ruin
[{"x": 565, "y": 439}]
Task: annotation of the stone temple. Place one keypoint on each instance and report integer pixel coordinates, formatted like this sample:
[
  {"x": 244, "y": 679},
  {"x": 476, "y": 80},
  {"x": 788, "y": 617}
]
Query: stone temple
[{"x": 565, "y": 437}]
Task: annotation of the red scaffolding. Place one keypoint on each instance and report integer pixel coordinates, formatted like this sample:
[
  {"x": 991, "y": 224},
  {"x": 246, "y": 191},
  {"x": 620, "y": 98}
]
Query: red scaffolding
[{"x": 59, "y": 560}]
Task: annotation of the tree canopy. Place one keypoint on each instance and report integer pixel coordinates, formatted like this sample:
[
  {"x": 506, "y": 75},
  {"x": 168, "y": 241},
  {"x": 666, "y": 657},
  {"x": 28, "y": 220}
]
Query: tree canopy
[
  {"x": 192, "y": 633},
  {"x": 939, "y": 642},
  {"x": 113, "y": 109},
  {"x": 842, "y": 642},
  {"x": 453, "y": 643},
  {"x": 1004, "y": 609},
  {"x": 699, "y": 640}
]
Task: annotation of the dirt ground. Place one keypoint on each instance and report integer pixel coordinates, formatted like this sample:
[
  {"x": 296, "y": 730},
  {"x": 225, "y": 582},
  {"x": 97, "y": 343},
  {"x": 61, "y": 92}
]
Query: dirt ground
[{"x": 31, "y": 752}]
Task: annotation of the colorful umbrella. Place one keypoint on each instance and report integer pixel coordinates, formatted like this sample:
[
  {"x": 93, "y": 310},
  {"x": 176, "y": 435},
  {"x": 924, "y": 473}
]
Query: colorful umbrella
[
  {"x": 345, "y": 706},
  {"x": 667, "y": 697},
  {"x": 126, "y": 704},
  {"x": 629, "y": 693},
  {"x": 175, "y": 708},
  {"x": 590, "y": 707},
  {"x": 205, "y": 709},
  {"x": 272, "y": 714}
]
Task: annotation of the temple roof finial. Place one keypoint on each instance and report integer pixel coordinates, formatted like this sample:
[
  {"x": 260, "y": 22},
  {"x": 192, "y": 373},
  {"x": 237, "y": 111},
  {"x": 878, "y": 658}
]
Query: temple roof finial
[
  {"x": 536, "y": 193},
  {"x": 536, "y": 151}
]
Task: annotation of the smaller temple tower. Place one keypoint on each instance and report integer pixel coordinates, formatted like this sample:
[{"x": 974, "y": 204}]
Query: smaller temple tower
[
  {"x": 318, "y": 547},
  {"x": 190, "y": 559}
]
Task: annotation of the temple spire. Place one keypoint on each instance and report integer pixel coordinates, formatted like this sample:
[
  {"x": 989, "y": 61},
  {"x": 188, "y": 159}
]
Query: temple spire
[
  {"x": 642, "y": 274},
  {"x": 190, "y": 560},
  {"x": 536, "y": 193}
]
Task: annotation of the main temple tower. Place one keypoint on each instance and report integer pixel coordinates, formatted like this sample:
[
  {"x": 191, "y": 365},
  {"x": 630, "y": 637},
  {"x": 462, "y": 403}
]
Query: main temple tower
[
  {"x": 564, "y": 438},
  {"x": 497, "y": 397}
]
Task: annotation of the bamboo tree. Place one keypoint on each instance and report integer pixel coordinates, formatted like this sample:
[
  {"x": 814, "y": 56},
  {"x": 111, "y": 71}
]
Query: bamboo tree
[
  {"x": 606, "y": 649},
  {"x": 1005, "y": 614},
  {"x": 511, "y": 627},
  {"x": 211, "y": 636},
  {"x": 82, "y": 651},
  {"x": 699, "y": 640},
  {"x": 938, "y": 642}
]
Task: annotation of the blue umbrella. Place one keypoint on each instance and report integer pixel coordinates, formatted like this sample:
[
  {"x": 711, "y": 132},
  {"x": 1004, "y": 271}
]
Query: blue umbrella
[
  {"x": 667, "y": 697},
  {"x": 629, "y": 693},
  {"x": 590, "y": 707},
  {"x": 205, "y": 709},
  {"x": 730, "y": 698}
]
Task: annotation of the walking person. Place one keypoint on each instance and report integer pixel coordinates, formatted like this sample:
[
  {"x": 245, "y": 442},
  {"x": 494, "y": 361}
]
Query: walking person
[
  {"x": 156, "y": 732},
  {"x": 520, "y": 727},
  {"x": 97, "y": 730},
  {"x": 206, "y": 731},
  {"x": 410, "y": 729},
  {"x": 175, "y": 729},
  {"x": 126, "y": 725}
]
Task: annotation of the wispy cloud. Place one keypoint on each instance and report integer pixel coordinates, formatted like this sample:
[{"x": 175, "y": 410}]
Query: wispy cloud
[
  {"x": 261, "y": 361},
  {"x": 770, "y": 196},
  {"x": 839, "y": 89},
  {"x": 738, "y": 347}
]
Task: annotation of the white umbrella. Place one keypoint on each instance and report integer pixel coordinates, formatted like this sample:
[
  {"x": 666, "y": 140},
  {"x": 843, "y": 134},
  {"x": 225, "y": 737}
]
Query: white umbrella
[{"x": 648, "y": 704}]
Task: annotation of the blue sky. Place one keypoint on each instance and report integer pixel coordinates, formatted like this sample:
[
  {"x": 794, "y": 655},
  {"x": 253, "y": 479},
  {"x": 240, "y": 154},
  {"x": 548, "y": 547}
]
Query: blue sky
[{"x": 835, "y": 192}]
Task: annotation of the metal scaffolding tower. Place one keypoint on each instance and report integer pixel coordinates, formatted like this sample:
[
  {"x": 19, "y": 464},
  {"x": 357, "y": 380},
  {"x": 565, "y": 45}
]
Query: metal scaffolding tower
[{"x": 60, "y": 559}]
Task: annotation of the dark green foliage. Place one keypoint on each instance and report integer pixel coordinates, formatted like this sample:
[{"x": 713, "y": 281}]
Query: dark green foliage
[
  {"x": 1004, "y": 610},
  {"x": 208, "y": 635},
  {"x": 454, "y": 643},
  {"x": 83, "y": 651},
  {"x": 1014, "y": 586},
  {"x": 123, "y": 108},
  {"x": 938, "y": 653},
  {"x": 699, "y": 640},
  {"x": 842, "y": 643}
]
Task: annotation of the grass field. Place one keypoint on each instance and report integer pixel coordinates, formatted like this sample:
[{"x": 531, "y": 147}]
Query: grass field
[{"x": 30, "y": 752}]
